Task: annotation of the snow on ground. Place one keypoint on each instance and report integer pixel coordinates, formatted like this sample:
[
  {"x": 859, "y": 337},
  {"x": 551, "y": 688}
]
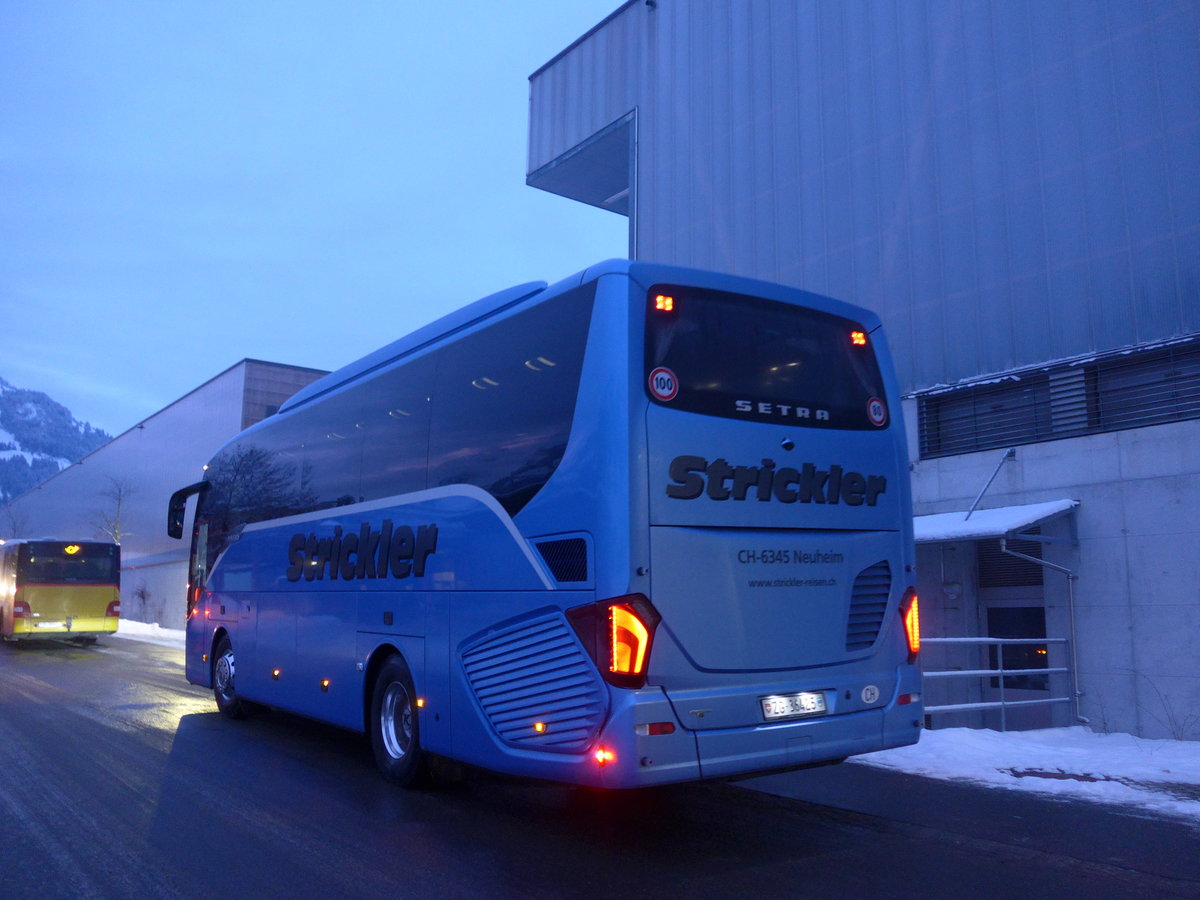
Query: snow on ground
[
  {"x": 151, "y": 634},
  {"x": 1071, "y": 763}
]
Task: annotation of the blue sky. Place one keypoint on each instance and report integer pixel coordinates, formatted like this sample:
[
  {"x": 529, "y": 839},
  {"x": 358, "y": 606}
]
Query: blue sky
[{"x": 185, "y": 184}]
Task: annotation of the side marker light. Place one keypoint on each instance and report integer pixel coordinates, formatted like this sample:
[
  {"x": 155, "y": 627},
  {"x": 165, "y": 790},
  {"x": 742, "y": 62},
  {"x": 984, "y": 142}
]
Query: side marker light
[{"x": 604, "y": 756}]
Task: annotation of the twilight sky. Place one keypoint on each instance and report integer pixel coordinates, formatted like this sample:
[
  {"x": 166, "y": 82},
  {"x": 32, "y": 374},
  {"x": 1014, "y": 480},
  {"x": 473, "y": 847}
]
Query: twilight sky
[{"x": 185, "y": 184}]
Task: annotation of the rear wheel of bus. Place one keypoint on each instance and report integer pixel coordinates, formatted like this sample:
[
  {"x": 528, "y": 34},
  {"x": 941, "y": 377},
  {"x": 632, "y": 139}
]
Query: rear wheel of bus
[{"x": 395, "y": 731}]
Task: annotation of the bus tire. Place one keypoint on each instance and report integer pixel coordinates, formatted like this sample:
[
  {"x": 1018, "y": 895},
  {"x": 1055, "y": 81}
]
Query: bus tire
[
  {"x": 224, "y": 669},
  {"x": 395, "y": 726}
]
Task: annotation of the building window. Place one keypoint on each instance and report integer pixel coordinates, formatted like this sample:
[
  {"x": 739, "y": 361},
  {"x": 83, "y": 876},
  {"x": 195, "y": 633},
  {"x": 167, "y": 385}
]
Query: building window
[{"x": 1111, "y": 392}]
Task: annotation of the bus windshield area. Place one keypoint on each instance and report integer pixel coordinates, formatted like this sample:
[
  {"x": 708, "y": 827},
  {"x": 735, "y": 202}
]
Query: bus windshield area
[
  {"x": 51, "y": 562},
  {"x": 753, "y": 359}
]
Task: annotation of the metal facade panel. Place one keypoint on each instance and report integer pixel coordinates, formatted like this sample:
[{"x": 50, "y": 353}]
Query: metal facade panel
[{"x": 1006, "y": 183}]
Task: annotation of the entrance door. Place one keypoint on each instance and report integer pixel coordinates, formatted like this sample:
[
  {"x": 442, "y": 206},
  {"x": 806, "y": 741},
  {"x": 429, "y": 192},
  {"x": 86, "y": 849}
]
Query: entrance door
[{"x": 1012, "y": 604}]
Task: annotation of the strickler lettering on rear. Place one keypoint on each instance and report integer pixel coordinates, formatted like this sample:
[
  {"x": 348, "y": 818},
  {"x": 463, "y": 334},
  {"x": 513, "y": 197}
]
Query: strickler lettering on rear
[{"x": 695, "y": 476}]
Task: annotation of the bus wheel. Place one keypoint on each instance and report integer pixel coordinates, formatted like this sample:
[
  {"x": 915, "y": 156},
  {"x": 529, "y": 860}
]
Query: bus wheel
[
  {"x": 395, "y": 731},
  {"x": 224, "y": 666}
]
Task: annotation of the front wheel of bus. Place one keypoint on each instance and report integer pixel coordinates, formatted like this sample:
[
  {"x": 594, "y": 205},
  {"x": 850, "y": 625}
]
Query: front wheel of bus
[
  {"x": 224, "y": 667},
  {"x": 395, "y": 729}
]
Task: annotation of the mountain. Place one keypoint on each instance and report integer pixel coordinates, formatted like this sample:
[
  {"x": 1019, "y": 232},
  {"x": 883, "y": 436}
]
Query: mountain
[{"x": 38, "y": 437}]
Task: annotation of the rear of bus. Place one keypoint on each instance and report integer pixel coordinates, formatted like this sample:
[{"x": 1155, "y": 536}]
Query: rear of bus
[
  {"x": 779, "y": 627},
  {"x": 62, "y": 589}
]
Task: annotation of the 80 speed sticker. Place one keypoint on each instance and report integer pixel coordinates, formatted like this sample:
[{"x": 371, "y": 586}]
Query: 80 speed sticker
[
  {"x": 877, "y": 412},
  {"x": 663, "y": 384}
]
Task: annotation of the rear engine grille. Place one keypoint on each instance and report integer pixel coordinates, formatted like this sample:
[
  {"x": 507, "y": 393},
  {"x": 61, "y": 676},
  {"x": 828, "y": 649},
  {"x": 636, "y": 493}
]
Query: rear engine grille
[
  {"x": 535, "y": 673},
  {"x": 868, "y": 604}
]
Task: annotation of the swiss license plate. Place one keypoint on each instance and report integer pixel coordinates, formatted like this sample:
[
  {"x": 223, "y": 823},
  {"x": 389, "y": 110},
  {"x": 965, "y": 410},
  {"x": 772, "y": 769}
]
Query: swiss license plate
[{"x": 786, "y": 706}]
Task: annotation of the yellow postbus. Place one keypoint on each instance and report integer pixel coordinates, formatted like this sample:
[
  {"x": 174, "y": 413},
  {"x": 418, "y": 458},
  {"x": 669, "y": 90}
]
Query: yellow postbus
[{"x": 59, "y": 589}]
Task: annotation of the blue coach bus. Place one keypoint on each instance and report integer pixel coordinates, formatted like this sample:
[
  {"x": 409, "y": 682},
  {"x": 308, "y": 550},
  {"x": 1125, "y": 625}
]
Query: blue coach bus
[{"x": 644, "y": 525}]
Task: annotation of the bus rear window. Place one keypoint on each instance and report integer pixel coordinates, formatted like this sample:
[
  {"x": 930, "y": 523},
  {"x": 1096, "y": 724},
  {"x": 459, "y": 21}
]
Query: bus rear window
[
  {"x": 743, "y": 357},
  {"x": 55, "y": 562}
]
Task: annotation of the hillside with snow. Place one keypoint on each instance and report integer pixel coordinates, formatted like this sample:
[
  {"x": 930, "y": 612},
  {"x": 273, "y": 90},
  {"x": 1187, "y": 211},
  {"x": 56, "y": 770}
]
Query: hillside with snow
[{"x": 38, "y": 438}]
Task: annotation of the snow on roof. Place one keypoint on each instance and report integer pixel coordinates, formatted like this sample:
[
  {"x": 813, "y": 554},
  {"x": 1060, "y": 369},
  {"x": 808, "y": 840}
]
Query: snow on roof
[{"x": 987, "y": 523}]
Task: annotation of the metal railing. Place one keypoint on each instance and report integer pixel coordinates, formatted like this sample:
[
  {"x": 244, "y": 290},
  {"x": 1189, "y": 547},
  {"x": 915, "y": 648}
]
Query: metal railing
[{"x": 999, "y": 673}]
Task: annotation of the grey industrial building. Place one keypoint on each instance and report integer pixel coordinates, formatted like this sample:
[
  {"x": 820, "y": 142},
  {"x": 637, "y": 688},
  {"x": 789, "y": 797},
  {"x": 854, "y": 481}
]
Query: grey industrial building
[
  {"x": 1015, "y": 188},
  {"x": 143, "y": 467}
]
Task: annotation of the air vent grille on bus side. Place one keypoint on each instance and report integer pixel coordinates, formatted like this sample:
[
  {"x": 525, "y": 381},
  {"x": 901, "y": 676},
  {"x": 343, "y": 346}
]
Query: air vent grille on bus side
[
  {"x": 537, "y": 687},
  {"x": 567, "y": 558},
  {"x": 868, "y": 604}
]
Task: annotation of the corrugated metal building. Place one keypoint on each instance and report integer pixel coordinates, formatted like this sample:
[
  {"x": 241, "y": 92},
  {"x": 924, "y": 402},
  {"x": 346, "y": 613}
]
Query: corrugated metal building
[
  {"x": 1015, "y": 188},
  {"x": 142, "y": 468}
]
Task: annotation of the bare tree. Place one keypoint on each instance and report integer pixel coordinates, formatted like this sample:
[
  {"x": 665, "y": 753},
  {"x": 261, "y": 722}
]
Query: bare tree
[
  {"x": 14, "y": 523},
  {"x": 107, "y": 519}
]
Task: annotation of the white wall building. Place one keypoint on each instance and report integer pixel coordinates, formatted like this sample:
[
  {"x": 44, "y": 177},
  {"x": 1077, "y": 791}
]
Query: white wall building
[
  {"x": 149, "y": 462},
  {"x": 1015, "y": 188}
]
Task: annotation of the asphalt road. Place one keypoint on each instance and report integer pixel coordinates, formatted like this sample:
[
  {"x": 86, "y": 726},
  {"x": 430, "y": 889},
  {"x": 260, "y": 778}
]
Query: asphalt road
[{"x": 118, "y": 779}]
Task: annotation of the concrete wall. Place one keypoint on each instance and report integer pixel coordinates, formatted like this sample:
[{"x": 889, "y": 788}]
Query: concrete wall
[{"x": 1137, "y": 557}]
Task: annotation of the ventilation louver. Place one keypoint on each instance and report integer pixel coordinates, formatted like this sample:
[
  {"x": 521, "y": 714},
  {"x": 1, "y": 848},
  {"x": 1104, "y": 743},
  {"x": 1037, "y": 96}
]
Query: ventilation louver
[{"x": 868, "y": 604}]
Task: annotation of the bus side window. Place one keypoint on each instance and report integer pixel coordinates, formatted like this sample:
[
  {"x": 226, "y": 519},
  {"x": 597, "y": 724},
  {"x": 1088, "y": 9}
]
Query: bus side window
[{"x": 504, "y": 400}]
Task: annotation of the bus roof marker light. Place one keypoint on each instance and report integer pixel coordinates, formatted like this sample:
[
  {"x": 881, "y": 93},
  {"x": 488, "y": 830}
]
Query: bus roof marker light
[
  {"x": 664, "y": 303},
  {"x": 858, "y": 338}
]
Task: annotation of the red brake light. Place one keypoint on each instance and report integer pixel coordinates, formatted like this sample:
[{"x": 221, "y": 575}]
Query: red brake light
[
  {"x": 20, "y": 609},
  {"x": 618, "y": 634},
  {"x": 114, "y": 609},
  {"x": 630, "y": 640},
  {"x": 912, "y": 624}
]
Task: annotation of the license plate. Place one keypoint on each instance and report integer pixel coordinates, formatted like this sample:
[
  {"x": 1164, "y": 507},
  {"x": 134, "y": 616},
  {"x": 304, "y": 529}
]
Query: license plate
[{"x": 786, "y": 706}]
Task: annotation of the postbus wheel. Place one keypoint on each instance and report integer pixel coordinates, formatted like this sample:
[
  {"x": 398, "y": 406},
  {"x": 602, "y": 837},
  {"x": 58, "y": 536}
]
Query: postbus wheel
[
  {"x": 224, "y": 667},
  {"x": 395, "y": 728}
]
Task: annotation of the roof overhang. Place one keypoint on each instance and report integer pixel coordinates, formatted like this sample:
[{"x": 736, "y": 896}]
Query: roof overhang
[
  {"x": 1003, "y": 521},
  {"x": 597, "y": 171}
]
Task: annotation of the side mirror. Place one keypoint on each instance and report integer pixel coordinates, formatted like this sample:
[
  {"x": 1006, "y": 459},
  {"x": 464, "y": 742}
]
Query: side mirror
[{"x": 177, "y": 506}]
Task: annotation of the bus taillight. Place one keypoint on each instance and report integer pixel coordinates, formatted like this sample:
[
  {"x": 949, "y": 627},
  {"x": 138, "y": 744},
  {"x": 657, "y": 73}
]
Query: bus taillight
[
  {"x": 618, "y": 634},
  {"x": 630, "y": 640},
  {"x": 20, "y": 609},
  {"x": 912, "y": 624},
  {"x": 114, "y": 609}
]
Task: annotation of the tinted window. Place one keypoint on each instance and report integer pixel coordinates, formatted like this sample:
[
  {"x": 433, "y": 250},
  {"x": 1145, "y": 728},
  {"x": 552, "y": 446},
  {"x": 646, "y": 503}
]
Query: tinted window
[
  {"x": 501, "y": 408},
  {"x": 504, "y": 400},
  {"x": 52, "y": 562},
  {"x": 394, "y": 423},
  {"x": 748, "y": 358}
]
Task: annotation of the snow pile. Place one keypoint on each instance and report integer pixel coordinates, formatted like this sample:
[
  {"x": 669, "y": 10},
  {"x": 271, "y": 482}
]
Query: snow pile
[
  {"x": 151, "y": 634},
  {"x": 1075, "y": 763}
]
